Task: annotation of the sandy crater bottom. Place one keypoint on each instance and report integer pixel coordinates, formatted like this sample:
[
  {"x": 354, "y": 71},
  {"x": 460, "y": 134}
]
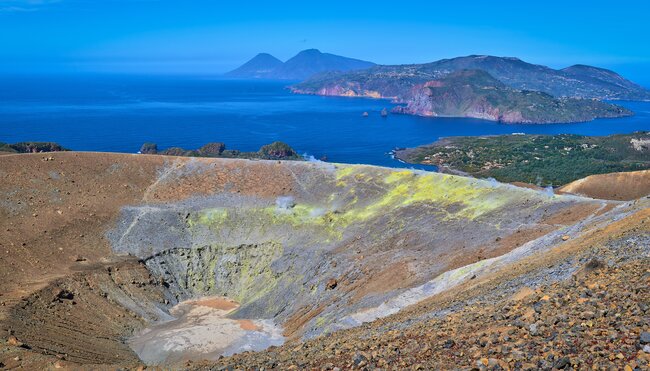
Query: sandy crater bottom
[{"x": 201, "y": 330}]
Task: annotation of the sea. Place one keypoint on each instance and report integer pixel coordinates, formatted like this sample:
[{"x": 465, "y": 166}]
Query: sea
[{"x": 118, "y": 113}]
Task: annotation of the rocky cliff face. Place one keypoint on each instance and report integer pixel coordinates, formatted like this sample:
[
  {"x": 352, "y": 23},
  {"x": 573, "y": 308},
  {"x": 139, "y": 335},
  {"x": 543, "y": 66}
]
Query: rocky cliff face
[
  {"x": 347, "y": 90},
  {"x": 476, "y": 94}
]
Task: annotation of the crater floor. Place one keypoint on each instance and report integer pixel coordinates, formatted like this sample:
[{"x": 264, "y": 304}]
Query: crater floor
[{"x": 200, "y": 329}]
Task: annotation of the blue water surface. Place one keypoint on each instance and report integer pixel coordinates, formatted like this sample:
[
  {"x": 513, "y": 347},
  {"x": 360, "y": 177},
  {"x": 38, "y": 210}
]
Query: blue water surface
[{"x": 118, "y": 113}]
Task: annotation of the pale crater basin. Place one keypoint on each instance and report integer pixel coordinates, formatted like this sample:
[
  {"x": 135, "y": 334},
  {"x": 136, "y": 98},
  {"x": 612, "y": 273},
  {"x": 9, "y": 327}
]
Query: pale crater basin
[{"x": 201, "y": 330}]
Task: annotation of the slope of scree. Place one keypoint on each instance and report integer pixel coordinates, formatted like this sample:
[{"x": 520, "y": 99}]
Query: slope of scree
[{"x": 578, "y": 307}]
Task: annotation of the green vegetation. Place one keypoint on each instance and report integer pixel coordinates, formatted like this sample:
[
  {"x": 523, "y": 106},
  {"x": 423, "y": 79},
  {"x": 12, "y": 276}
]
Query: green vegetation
[
  {"x": 277, "y": 150},
  {"x": 537, "y": 159},
  {"x": 149, "y": 148},
  {"x": 31, "y": 147},
  {"x": 273, "y": 151},
  {"x": 4, "y": 147}
]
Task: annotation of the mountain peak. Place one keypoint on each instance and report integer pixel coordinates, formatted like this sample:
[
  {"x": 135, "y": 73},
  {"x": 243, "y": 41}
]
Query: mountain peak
[
  {"x": 264, "y": 55},
  {"x": 303, "y": 65},
  {"x": 258, "y": 67},
  {"x": 584, "y": 67},
  {"x": 310, "y": 51},
  {"x": 597, "y": 75}
]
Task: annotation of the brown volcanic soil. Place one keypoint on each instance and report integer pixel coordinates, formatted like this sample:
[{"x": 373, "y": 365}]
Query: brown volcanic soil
[
  {"x": 52, "y": 233},
  {"x": 614, "y": 186},
  {"x": 55, "y": 212}
]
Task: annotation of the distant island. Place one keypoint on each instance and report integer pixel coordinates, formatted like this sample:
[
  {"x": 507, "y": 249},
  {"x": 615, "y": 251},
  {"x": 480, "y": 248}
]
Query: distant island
[
  {"x": 502, "y": 89},
  {"x": 273, "y": 151},
  {"x": 536, "y": 159},
  {"x": 302, "y": 66}
]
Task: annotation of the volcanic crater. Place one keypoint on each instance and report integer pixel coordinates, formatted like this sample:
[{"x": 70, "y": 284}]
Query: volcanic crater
[{"x": 119, "y": 260}]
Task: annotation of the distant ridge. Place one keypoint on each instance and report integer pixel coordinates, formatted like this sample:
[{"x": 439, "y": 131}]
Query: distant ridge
[
  {"x": 305, "y": 64},
  {"x": 577, "y": 81},
  {"x": 602, "y": 76}
]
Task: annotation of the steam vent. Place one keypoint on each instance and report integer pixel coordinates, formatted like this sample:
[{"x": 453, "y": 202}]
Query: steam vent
[{"x": 111, "y": 260}]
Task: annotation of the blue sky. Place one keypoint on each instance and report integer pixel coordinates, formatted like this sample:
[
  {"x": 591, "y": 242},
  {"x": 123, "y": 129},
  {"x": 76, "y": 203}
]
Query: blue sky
[{"x": 214, "y": 36}]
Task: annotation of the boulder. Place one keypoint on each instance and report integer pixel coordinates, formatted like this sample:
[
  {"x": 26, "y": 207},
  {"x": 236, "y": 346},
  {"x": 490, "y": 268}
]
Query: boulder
[
  {"x": 174, "y": 151},
  {"x": 36, "y": 147},
  {"x": 149, "y": 149},
  {"x": 277, "y": 151},
  {"x": 212, "y": 149},
  {"x": 14, "y": 342}
]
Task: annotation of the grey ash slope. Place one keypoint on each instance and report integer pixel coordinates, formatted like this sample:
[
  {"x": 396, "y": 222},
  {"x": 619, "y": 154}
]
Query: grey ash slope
[{"x": 302, "y": 66}]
